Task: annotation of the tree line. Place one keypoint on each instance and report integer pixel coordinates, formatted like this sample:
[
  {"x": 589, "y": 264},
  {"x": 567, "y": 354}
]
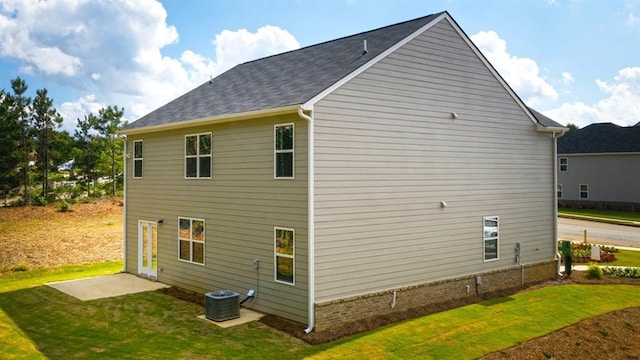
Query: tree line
[{"x": 35, "y": 153}]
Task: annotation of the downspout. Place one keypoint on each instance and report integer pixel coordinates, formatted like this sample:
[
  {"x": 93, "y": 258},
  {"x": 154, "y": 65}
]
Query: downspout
[
  {"x": 124, "y": 203},
  {"x": 555, "y": 200},
  {"x": 311, "y": 220}
]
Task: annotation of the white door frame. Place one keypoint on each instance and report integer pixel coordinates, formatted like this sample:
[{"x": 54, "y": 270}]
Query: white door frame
[{"x": 150, "y": 267}]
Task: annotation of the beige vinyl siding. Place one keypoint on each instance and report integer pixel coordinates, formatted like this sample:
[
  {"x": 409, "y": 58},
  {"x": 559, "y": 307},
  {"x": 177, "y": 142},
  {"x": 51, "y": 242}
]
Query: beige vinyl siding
[
  {"x": 240, "y": 204},
  {"x": 387, "y": 152}
]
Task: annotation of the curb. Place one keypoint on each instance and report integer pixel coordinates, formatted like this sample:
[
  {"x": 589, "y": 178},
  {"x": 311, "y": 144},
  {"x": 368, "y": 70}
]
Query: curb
[{"x": 602, "y": 220}]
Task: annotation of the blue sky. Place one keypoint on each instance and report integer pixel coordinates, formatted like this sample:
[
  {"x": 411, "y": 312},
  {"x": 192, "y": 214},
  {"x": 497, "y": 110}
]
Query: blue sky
[{"x": 576, "y": 61}]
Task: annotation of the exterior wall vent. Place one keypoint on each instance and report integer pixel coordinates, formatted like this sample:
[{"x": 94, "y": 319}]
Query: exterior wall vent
[{"x": 222, "y": 305}]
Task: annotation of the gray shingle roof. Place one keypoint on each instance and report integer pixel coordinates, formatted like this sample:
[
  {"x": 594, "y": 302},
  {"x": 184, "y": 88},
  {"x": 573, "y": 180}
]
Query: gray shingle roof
[
  {"x": 289, "y": 78},
  {"x": 601, "y": 138}
]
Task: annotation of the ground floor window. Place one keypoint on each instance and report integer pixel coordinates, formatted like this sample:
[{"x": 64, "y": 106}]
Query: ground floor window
[
  {"x": 490, "y": 237},
  {"x": 284, "y": 255},
  {"x": 584, "y": 191},
  {"x": 559, "y": 186},
  {"x": 191, "y": 240}
]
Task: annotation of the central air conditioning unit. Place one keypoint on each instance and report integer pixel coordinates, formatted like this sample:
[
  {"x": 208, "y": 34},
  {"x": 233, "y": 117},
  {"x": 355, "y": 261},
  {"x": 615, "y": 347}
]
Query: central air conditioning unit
[{"x": 222, "y": 305}]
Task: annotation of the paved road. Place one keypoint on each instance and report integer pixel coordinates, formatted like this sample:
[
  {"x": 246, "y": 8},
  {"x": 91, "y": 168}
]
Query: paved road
[{"x": 598, "y": 233}]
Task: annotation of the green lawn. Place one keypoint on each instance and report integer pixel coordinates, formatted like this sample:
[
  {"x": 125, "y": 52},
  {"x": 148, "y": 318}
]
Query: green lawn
[
  {"x": 606, "y": 214},
  {"x": 625, "y": 258},
  {"x": 38, "y": 322}
]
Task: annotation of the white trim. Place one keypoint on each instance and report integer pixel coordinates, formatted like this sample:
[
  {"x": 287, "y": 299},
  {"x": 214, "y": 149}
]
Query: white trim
[
  {"x": 308, "y": 105},
  {"x": 191, "y": 241},
  {"x": 580, "y": 192},
  {"x": 133, "y": 175},
  {"x": 148, "y": 270},
  {"x": 276, "y": 255},
  {"x": 212, "y": 120},
  {"x": 197, "y": 157},
  {"x": 496, "y": 238},
  {"x": 124, "y": 206},
  {"x": 292, "y": 151}
]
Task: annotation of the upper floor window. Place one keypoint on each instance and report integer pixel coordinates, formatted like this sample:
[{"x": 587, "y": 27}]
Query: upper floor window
[
  {"x": 197, "y": 156},
  {"x": 283, "y": 157},
  {"x": 137, "y": 159},
  {"x": 490, "y": 237},
  {"x": 564, "y": 164},
  {"x": 584, "y": 191}
]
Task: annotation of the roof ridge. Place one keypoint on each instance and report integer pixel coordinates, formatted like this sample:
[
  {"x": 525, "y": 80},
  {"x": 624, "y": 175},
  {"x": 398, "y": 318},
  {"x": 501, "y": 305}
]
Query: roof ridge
[{"x": 343, "y": 38}]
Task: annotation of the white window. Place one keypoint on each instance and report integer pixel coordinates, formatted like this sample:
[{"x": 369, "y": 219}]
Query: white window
[
  {"x": 584, "y": 191},
  {"x": 564, "y": 164},
  {"x": 283, "y": 158},
  {"x": 490, "y": 230},
  {"x": 284, "y": 255},
  {"x": 191, "y": 240},
  {"x": 197, "y": 156},
  {"x": 137, "y": 159},
  {"x": 559, "y": 189}
]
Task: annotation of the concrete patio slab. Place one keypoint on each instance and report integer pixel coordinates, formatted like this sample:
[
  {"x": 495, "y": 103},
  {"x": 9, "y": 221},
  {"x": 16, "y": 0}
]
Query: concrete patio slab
[
  {"x": 106, "y": 286},
  {"x": 246, "y": 316}
]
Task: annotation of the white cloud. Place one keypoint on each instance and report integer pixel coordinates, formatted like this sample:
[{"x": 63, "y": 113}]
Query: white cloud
[
  {"x": 620, "y": 106},
  {"x": 113, "y": 51},
  {"x": 567, "y": 78},
  {"x": 522, "y": 74}
]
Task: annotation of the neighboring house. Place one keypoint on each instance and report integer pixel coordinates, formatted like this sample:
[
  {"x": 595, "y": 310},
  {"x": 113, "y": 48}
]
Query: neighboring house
[
  {"x": 374, "y": 173},
  {"x": 599, "y": 167}
]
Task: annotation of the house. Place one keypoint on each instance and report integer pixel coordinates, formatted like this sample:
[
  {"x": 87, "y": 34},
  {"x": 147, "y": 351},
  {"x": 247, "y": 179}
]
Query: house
[
  {"x": 599, "y": 167},
  {"x": 366, "y": 175}
]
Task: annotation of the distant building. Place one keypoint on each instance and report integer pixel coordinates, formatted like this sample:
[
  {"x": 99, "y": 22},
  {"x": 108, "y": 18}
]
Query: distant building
[{"x": 599, "y": 167}]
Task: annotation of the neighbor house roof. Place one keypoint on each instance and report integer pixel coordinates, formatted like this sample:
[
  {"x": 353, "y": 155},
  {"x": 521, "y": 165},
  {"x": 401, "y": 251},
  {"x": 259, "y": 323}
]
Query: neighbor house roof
[
  {"x": 601, "y": 138},
  {"x": 287, "y": 79}
]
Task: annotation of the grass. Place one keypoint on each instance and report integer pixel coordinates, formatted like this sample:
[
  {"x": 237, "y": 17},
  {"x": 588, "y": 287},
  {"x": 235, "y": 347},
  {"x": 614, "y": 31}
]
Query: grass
[
  {"x": 38, "y": 322},
  {"x": 625, "y": 258},
  {"x": 606, "y": 214}
]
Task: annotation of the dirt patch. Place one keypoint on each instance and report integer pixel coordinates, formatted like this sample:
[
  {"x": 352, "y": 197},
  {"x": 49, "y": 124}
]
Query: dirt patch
[{"x": 34, "y": 237}]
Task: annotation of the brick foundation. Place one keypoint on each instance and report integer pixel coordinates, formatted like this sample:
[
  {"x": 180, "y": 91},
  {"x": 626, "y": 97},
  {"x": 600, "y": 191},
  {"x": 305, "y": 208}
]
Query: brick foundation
[{"x": 441, "y": 295}]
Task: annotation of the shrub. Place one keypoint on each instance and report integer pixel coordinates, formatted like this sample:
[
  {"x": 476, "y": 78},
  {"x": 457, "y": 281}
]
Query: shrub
[
  {"x": 594, "y": 271},
  {"x": 41, "y": 201},
  {"x": 20, "y": 268},
  {"x": 624, "y": 272},
  {"x": 64, "y": 206}
]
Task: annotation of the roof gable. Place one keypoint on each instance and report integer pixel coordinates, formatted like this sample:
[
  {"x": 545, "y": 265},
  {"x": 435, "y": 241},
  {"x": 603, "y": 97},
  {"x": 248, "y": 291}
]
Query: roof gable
[
  {"x": 601, "y": 138},
  {"x": 279, "y": 83},
  {"x": 281, "y": 80}
]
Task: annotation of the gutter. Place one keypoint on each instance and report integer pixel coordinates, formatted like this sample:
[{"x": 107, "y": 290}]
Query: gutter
[
  {"x": 211, "y": 120},
  {"x": 311, "y": 219}
]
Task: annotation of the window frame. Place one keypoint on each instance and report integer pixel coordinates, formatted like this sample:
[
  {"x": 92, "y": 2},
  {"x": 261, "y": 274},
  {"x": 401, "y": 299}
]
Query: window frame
[
  {"x": 564, "y": 167},
  {"x": 580, "y": 192},
  {"x": 486, "y": 238},
  {"x": 136, "y": 159},
  {"x": 559, "y": 191},
  {"x": 198, "y": 156},
  {"x": 192, "y": 241},
  {"x": 276, "y": 254},
  {"x": 284, "y": 151}
]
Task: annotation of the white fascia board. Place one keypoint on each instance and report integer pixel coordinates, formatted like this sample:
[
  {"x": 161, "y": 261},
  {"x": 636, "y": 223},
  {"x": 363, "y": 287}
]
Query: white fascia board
[
  {"x": 291, "y": 109},
  {"x": 600, "y": 154},
  {"x": 311, "y": 102}
]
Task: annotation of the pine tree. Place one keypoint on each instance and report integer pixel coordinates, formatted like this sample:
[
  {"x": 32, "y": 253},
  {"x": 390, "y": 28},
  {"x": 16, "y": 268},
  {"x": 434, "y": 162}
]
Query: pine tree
[
  {"x": 109, "y": 122},
  {"x": 44, "y": 119},
  {"x": 19, "y": 112},
  {"x": 9, "y": 138}
]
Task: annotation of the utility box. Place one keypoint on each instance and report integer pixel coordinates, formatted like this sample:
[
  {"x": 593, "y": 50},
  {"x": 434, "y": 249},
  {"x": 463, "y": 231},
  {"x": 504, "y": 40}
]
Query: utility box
[{"x": 222, "y": 305}]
